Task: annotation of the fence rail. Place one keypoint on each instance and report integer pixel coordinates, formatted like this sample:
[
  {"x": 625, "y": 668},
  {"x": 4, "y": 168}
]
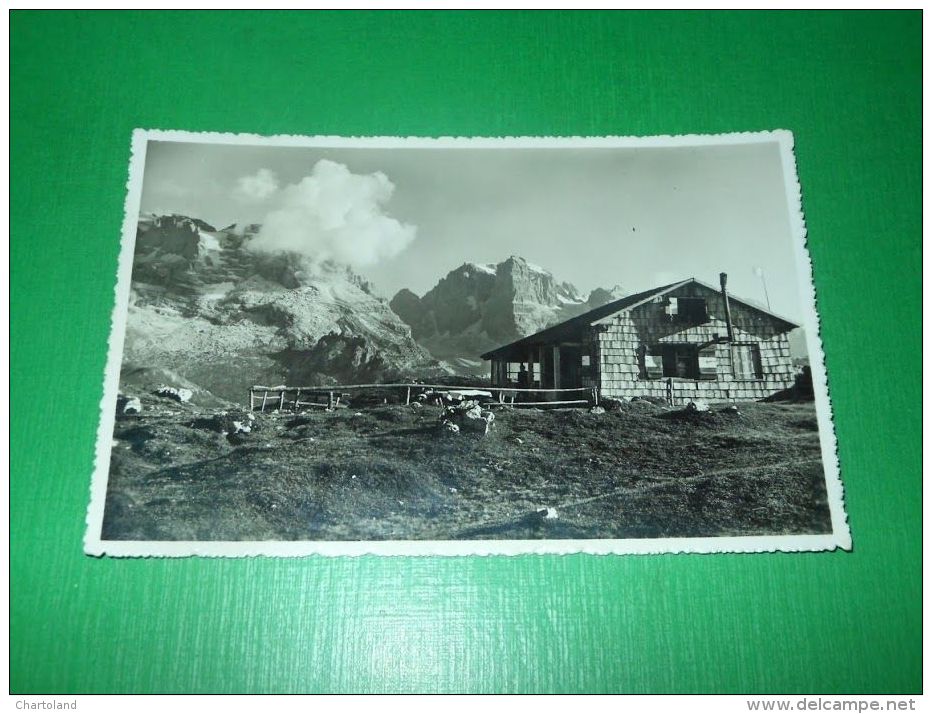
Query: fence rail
[{"x": 283, "y": 397}]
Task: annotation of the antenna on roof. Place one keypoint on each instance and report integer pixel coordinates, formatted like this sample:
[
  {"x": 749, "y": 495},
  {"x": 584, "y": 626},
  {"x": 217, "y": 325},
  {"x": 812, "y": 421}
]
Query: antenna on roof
[{"x": 759, "y": 272}]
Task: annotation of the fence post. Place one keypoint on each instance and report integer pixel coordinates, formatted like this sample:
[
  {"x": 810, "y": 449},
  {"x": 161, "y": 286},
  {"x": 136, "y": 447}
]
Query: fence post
[
  {"x": 265, "y": 395},
  {"x": 297, "y": 401},
  {"x": 408, "y": 396},
  {"x": 251, "y": 405}
]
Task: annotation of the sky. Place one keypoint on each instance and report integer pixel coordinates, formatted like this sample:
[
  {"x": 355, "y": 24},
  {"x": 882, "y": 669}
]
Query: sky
[{"x": 596, "y": 217}]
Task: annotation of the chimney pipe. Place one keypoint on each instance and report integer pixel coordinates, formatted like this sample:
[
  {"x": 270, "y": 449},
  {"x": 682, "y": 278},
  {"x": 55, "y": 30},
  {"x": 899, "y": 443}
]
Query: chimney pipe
[{"x": 723, "y": 280}]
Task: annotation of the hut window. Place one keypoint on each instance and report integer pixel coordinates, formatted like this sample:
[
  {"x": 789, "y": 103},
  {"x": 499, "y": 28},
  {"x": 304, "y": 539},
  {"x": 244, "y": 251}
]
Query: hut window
[
  {"x": 687, "y": 310},
  {"x": 746, "y": 361},
  {"x": 691, "y": 311},
  {"x": 586, "y": 361},
  {"x": 684, "y": 361},
  {"x": 514, "y": 368},
  {"x": 680, "y": 361}
]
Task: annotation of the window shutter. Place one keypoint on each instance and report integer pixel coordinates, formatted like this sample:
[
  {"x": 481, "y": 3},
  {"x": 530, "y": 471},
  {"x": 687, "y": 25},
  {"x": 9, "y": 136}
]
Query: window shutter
[
  {"x": 653, "y": 366},
  {"x": 747, "y": 362},
  {"x": 708, "y": 363}
]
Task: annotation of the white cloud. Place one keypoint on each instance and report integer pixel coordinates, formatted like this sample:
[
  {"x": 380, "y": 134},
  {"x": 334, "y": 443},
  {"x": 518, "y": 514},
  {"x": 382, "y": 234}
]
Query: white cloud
[
  {"x": 333, "y": 214},
  {"x": 258, "y": 187}
]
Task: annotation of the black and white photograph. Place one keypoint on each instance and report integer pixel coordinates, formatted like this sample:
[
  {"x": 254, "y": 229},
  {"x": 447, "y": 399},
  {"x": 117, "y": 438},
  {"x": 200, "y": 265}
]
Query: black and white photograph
[{"x": 343, "y": 346}]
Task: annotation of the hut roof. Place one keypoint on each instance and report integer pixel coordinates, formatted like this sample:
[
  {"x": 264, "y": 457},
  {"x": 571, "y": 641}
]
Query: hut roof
[{"x": 568, "y": 328}]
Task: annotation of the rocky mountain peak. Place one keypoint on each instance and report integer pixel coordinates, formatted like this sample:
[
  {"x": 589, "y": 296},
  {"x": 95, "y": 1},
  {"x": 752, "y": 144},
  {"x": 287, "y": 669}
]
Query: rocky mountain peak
[
  {"x": 479, "y": 306},
  {"x": 225, "y": 316},
  {"x": 603, "y": 296}
]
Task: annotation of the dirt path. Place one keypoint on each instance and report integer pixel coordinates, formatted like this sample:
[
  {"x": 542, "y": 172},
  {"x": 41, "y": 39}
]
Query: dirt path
[{"x": 699, "y": 477}]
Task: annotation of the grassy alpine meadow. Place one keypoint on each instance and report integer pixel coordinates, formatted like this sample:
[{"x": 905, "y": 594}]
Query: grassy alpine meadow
[{"x": 388, "y": 472}]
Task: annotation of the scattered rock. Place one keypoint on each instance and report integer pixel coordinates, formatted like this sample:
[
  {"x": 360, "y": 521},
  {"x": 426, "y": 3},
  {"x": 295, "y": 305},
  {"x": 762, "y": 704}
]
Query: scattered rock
[
  {"x": 610, "y": 405},
  {"x": 697, "y": 406},
  {"x": 656, "y": 401},
  {"x": 468, "y": 415},
  {"x": 229, "y": 424},
  {"x": 128, "y": 405},
  {"x": 518, "y": 440},
  {"x": 597, "y": 410},
  {"x": 731, "y": 409},
  {"x": 179, "y": 394},
  {"x": 239, "y": 428},
  {"x": 537, "y": 518},
  {"x": 475, "y": 415}
]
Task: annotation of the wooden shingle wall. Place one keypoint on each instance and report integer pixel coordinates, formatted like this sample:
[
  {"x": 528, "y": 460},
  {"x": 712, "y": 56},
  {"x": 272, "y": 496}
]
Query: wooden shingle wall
[{"x": 620, "y": 367}]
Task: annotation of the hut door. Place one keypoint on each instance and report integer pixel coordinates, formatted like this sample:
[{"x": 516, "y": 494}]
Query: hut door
[{"x": 570, "y": 358}]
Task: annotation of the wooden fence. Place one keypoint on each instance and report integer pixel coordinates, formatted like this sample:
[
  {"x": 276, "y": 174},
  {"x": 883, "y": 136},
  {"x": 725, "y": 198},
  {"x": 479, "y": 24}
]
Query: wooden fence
[{"x": 283, "y": 398}]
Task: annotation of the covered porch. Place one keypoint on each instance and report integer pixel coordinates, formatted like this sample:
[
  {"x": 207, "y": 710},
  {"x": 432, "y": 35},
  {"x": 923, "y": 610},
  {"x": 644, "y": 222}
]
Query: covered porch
[{"x": 539, "y": 365}]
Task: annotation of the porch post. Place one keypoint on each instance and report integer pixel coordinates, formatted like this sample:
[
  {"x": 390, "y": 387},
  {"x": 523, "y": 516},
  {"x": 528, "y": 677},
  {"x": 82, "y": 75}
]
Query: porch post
[
  {"x": 556, "y": 366},
  {"x": 540, "y": 353}
]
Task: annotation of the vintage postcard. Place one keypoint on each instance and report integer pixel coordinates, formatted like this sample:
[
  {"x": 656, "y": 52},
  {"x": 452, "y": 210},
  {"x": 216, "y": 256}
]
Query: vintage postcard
[{"x": 342, "y": 346}]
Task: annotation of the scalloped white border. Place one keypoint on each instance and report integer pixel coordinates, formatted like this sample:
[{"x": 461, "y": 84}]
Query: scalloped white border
[{"x": 94, "y": 545}]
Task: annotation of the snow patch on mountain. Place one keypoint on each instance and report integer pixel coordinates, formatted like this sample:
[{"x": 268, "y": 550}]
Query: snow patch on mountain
[
  {"x": 536, "y": 268},
  {"x": 208, "y": 241},
  {"x": 483, "y": 268}
]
